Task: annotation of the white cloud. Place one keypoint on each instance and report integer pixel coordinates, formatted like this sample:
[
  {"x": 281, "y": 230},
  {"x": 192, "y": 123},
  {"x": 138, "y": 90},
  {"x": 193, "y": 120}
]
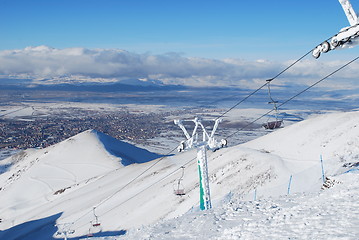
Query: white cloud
[{"x": 43, "y": 62}]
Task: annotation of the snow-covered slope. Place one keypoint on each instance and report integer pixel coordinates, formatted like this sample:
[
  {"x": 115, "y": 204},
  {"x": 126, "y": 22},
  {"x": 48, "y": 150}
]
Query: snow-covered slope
[
  {"x": 36, "y": 177},
  {"x": 285, "y": 161},
  {"x": 302, "y": 208},
  {"x": 327, "y": 214},
  {"x": 334, "y": 136}
]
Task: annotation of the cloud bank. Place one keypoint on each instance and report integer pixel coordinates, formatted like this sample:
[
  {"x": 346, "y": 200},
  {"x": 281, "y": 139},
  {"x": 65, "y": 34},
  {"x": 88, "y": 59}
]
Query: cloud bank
[{"x": 71, "y": 65}]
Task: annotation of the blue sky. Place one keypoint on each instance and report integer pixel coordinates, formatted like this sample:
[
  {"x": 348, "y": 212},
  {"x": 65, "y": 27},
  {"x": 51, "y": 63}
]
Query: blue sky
[
  {"x": 187, "y": 42},
  {"x": 274, "y": 30}
]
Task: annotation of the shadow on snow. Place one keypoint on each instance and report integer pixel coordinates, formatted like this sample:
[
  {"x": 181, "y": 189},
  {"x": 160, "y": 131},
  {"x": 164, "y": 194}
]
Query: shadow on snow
[{"x": 45, "y": 229}]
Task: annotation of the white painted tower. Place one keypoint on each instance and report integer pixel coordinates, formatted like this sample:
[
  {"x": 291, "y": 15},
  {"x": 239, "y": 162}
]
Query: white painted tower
[{"x": 207, "y": 142}]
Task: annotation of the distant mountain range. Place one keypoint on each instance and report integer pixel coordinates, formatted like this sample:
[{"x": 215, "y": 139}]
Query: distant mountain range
[{"x": 127, "y": 85}]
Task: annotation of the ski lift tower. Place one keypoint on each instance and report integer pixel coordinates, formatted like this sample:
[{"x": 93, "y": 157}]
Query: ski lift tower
[{"x": 207, "y": 142}]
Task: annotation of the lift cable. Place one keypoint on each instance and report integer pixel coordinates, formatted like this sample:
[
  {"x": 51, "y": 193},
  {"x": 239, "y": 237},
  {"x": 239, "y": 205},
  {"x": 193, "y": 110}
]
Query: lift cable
[
  {"x": 290, "y": 99},
  {"x": 138, "y": 193},
  {"x": 231, "y": 135},
  {"x": 268, "y": 81},
  {"x": 241, "y": 101},
  {"x": 127, "y": 184},
  {"x": 151, "y": 185},
  {"x": 265, "y": 84}
]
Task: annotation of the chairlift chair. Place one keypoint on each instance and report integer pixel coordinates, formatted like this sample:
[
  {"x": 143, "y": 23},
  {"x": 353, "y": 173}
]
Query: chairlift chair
[
  {"x": 179, "y": 189},
  {"x": 96, "y": 223},
  {"x": 277, "y": 123},
  {"x": 273, "y": 124},
  {"x": 90, "y": 234}
]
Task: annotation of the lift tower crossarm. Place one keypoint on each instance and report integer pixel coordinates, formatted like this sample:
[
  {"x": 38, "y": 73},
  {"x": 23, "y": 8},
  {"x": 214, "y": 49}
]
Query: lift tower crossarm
[
  {"x": 207, "y": 142},
  {"x": 216, "y": 123},
  {"x": 180, "y": 124}
]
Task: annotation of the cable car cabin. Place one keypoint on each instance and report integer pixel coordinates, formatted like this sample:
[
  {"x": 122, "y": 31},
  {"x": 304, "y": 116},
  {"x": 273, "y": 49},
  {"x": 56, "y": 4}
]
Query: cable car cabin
[
  {"x": 179, "y": 192},
  {"x": 273, "y": 124}
]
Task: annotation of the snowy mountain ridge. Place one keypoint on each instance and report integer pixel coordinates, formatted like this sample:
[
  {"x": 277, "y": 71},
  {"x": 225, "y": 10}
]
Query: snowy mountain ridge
[
  {"x": 127, "y": 197},
  {"x": 38, "y": 176},
  {"x": 90, "y": 147}
]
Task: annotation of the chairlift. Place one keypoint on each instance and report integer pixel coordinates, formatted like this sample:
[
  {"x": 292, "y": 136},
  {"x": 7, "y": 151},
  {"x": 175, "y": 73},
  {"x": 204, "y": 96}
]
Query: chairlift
[
  {"x": 96, "y": 223},
  {"x": 277, "y": 123},
  {"x": 179, "y": 189},
  {"x": 90, "y": 234},
  {"x": 95, "y": 226}
]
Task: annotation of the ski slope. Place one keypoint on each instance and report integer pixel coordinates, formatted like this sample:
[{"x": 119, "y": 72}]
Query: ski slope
[
  {"x": 327, "y": 214},
  {"x": 249, "y": 184}
]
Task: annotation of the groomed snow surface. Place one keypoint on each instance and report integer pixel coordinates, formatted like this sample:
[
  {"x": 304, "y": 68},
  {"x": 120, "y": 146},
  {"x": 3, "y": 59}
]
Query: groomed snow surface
[{"x": 269, "y": 188}]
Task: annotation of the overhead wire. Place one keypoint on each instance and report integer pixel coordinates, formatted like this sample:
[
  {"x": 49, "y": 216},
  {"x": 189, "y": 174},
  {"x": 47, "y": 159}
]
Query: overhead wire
[
  {"x": 265, "y": 84},
  {"x": 268, "y": 81},
  {"x": 285, "y": 102},
  {"x": 151, "y": 185},
  {"x": 296, "y": 95},
  {"x": 127, "y": 184},
  {"x": 136, "y": 194},
  {"x": 231, "y": 135},
  {"x": 223, "y": 114}
]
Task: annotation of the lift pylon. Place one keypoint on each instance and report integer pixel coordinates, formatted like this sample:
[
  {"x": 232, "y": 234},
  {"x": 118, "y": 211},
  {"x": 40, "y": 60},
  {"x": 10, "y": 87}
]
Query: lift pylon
[{"x": 208, "y": 142}]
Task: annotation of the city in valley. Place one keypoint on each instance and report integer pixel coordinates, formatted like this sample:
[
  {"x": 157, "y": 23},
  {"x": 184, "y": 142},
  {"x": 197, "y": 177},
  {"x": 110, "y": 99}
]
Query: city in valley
[
  {"x": 37, "y": 119},
  {"x": 42, "y": 131},
  {"x": 34, "y": 122}
]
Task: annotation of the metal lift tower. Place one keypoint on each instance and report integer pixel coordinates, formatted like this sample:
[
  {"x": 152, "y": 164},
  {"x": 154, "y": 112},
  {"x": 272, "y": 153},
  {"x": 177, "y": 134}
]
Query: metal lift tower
[{"x": 207, "y": 142}]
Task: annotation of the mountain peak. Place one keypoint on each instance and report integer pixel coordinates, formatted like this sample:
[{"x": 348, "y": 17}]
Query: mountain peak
[{"x": 127, "y": 152}]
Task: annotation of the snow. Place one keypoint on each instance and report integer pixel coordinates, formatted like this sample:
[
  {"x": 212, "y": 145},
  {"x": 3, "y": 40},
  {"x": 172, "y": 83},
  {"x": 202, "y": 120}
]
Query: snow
[
  {"x": 39, "y": 175},
  {"x": 252, "y": 195},
  {"x": 327, "y": 214}
]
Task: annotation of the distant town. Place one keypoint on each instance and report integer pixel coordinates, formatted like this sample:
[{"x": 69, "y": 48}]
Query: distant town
[
  {"x": 38, "y": 119},
  {"x": 39, "y": 132}
]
